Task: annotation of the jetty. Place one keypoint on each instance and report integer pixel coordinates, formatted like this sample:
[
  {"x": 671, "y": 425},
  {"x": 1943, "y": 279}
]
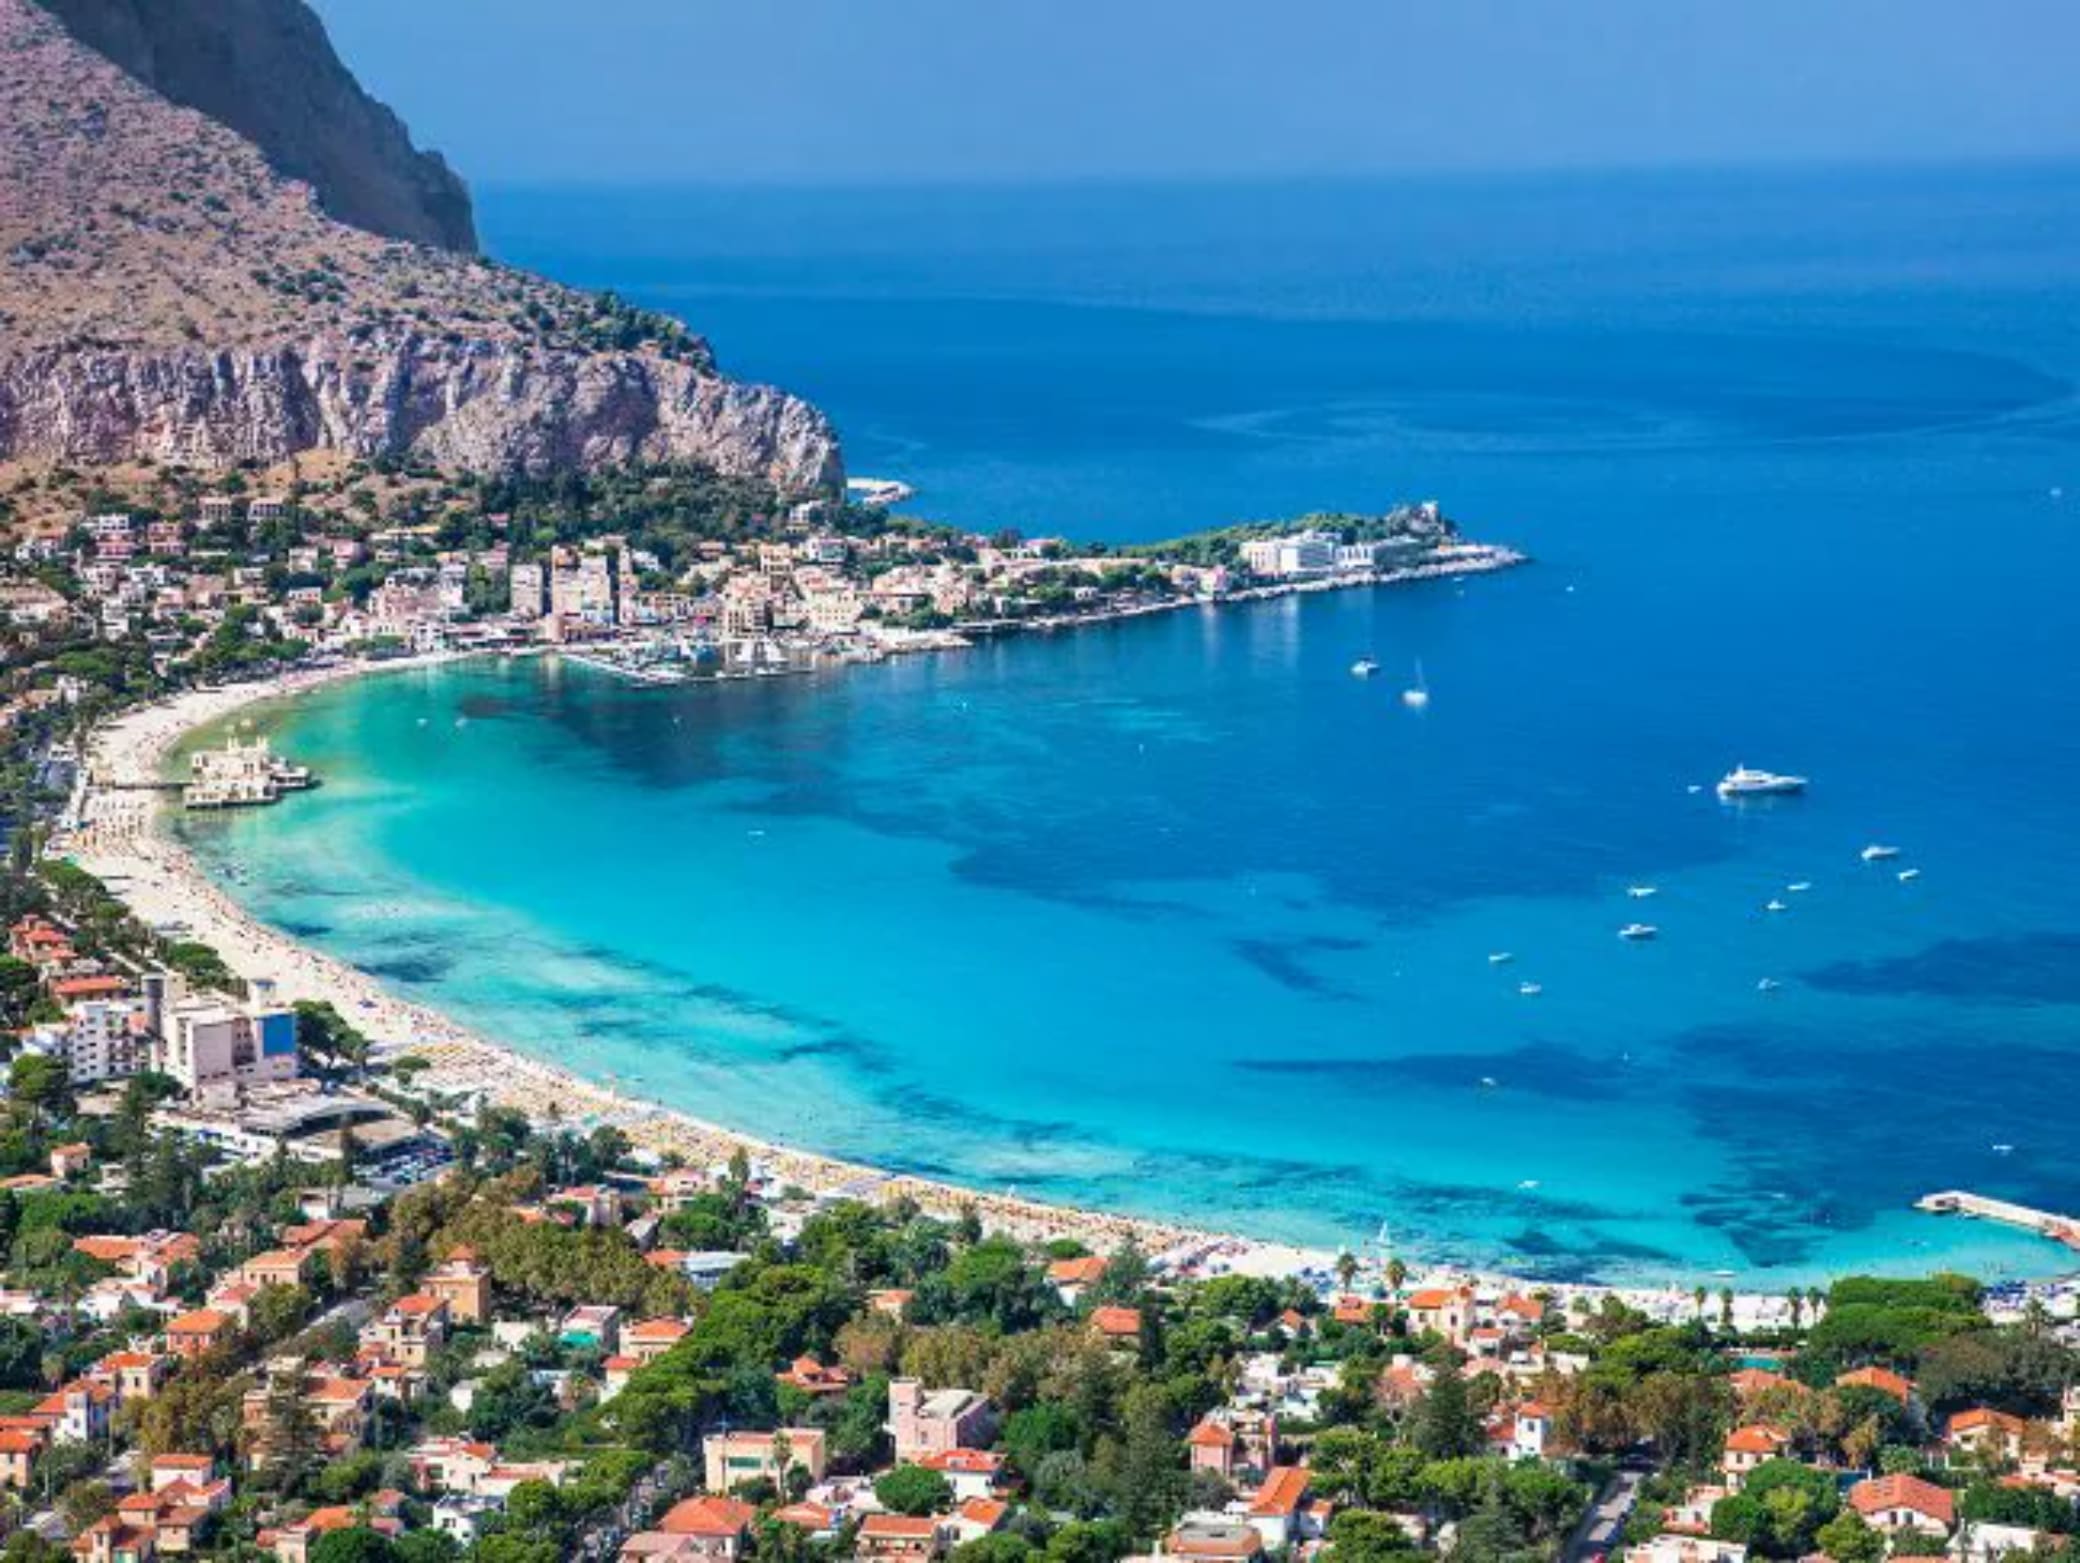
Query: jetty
[
  {"x": 2045, "y": 1223},
  {"x": 242, "y": 775}
]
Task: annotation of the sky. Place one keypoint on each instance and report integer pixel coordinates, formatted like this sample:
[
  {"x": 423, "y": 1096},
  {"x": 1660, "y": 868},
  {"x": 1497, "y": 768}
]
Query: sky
[{"x": 907, "y": 91}]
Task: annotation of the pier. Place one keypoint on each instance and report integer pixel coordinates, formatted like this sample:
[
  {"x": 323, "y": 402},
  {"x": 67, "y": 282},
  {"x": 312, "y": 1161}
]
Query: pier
[{"x": 1958, "y": 1202}]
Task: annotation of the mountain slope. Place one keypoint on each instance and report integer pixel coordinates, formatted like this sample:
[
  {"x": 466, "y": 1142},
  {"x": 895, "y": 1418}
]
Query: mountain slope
[
  {"x": 166, "y": 293},
  {"x": 265, "y": 69}
]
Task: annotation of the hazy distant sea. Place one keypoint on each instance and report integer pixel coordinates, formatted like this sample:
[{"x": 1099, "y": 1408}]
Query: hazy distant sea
[{"x": 1180, "y": 917}]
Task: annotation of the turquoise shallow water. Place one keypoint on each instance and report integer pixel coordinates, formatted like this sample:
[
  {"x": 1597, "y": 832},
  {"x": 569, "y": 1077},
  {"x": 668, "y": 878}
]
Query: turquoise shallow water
[{"x": 1179, "y": 916}]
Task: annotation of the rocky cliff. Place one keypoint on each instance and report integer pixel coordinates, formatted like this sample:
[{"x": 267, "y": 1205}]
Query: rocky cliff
[
  {"x": 165, "y": 291},
  {"x": 266, "y": 69}
]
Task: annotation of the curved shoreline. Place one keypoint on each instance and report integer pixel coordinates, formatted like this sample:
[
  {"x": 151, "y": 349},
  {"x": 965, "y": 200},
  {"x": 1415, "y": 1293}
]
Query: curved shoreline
[{"x": 118, "y": 838}]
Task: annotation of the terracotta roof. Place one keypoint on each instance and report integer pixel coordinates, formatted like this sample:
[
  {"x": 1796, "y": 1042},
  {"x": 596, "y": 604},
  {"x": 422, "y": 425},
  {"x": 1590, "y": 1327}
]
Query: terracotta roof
[
  {"x": 1984, "y": 1416},
  {"x": 977, "y": 1462},
  {"x": 1896, "y": 1385},
  {"x": 1076, "y": 1272},
  {"x": 655, "y": 1330},
  {"x": 707, "y": 1516},
  {"x": 1432, "y": 1297},
  {"x": 986, "y": 1512},
  {"x": 1904, "y": 1492},
  {"x": 1282, "y": 1491},
  {"x": 899, "y": 1527},
  {"x": 1116, "y": 1321},
  {"x": 1755, "y": 1440},
  {"x": 1211, "y": 1435},
  {"x": 1754, "y": 1381}
]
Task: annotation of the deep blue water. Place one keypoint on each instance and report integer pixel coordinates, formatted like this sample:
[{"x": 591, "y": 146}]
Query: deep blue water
[{"x": 1179, "y": 916}]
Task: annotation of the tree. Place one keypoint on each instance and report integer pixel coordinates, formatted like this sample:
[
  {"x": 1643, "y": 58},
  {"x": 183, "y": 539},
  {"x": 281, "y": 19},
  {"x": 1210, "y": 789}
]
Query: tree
[
  {"x": 39, "y": 1083},
  {"x": 1004, "y": 1547},
  {"x": 1093, "y": 1541},
  {"x": 354, "y": 1544},
  {"x": 1446, "y": 1426},
  {"x": 1346, "y": 1269},
  {"x": 1364, "y": 1536},
  {"x": 913, "y": 1490},
  {"x": 83, "y": 1503}
]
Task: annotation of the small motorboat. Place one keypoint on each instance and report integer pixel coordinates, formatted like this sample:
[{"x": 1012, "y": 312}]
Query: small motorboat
[
  {"x": 1500, "y": 958},
  {"x": 1774, "y": 905},
  {"x": 1641, "y": 892},
  {"x": 1638, "y": 932},
  {"x": 1417, "y": 695},
  {"x": 1908, "y": 875},
  {"x": 1364, "y": 667},
  {"x": 1530, "y": 990},
  {"x": 1798, "y": 887},
  {"x": 1768, "y": 985},
  {"x": 1877, "y": 852}
]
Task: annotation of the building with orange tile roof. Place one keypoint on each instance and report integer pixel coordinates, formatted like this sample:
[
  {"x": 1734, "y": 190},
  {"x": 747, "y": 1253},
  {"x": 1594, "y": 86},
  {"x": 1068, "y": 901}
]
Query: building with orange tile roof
[
  {"x": 1274, "y": 1511},
  {"x": 1120, "y": 1326},
  {"x": 901, "y": 1538},
  {"x": 1746, "y": 1448},
  {"x": 1897, "y": 1385},
  {"x": 195, "y": 1334},
  {"x": 648, "y": 1339},
  {"x": 1985, "y": 1431},
  {"x": 1071, "y": 1278},
  {"x": 18, "y": 1451},
  {"x": 720, "y": 1526},
  {"x": 1904, "y": 1502},
  {"x": 812, "y": 1378}
]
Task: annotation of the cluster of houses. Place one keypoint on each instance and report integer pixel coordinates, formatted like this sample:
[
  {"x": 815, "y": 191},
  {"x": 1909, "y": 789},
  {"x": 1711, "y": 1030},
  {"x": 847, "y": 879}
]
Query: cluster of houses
[
  {"x": 1904, "y": 1507},
  {"x": 808, "y": 586}
]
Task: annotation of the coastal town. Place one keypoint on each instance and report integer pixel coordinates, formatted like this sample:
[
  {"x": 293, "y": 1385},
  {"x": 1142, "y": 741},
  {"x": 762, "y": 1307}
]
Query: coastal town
[
  {"x": 297, "y": 1269},
  {"x": 214, "y": 585},
  {"x": 268, "y": 1292}
]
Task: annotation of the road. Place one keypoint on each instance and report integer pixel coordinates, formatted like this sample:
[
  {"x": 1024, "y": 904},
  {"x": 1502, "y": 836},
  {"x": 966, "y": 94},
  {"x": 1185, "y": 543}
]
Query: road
[{"x": 1604, "y": 1524}]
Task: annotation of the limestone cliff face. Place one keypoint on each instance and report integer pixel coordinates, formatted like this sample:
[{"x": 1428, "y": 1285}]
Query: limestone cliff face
[
  {"x": 485, "y": 407},
  {"x": 266, "y": 69},
  {"x": 165, "y": 291}
]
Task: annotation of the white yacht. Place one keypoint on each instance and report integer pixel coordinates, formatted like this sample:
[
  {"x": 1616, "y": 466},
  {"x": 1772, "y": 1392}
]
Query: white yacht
[
  {"x": 1876, "y": 852},
  {"x": 1530, "y": 990},
  {"x": 1774, "y": 905},
  {"x": 1364, "y": 667},
  {"x": 1417, "y": 695},
  {"x": 1638, "y": 931},
  {"x": 1500, "y": 958},
  {"x": 1741, "y": 782},
  {"x": 1908, "y": 875},
  {"x": 1768, "y": 985},
  {"x": 1798, "y": 886},
  {"x": 1641, "y": 892}
]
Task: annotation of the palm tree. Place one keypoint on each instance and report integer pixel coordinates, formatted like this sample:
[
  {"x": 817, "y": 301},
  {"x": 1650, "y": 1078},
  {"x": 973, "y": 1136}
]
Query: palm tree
[
  {"x": 1797, "y": 1299},
  {"x": 1726, "y": 1307},
  {"x": 1397, "y": 1272},
  {"x": 1699, "y": 1296},
  {"x": 1346, "y": 1269}
]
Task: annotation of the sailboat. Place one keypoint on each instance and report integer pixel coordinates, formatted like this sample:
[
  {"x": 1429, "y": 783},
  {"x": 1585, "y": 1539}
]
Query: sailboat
[{"x": 1417, "y": 695}]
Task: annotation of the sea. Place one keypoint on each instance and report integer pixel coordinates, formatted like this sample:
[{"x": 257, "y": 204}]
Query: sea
[{"x": 1177, "y": 916}]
